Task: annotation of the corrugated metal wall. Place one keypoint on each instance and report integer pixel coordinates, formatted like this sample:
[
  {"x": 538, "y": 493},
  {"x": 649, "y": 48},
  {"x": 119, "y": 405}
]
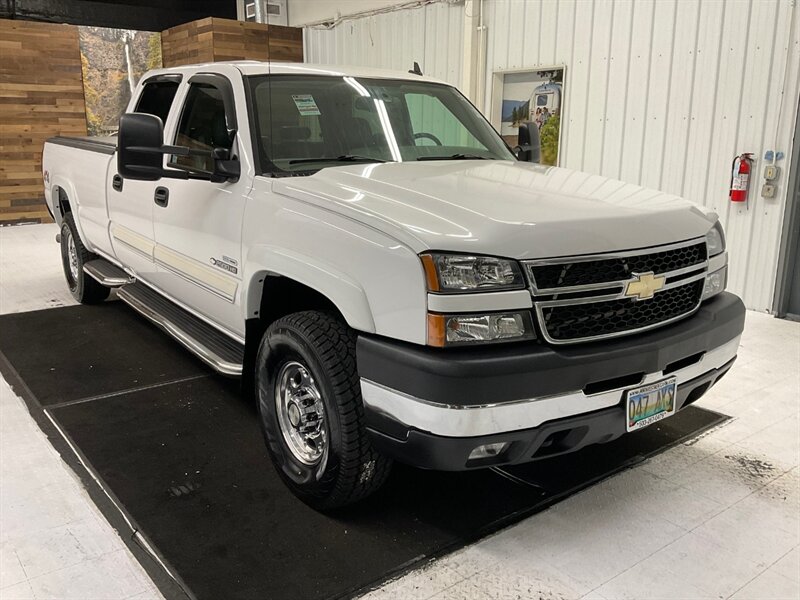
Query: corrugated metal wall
[
  {"x": 431, "y": 35},
  {"x": 661, "y": 93}
]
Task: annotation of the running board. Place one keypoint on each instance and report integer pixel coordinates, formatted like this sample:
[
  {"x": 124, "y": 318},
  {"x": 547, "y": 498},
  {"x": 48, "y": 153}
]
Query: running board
[
  {"x": 107, "y": 274},
  {"x": 222, "y": 353}
]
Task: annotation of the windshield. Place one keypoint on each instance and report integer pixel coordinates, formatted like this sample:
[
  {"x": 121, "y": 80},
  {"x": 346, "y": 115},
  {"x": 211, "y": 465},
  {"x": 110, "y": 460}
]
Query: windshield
[{"x": 306, "y": 123}]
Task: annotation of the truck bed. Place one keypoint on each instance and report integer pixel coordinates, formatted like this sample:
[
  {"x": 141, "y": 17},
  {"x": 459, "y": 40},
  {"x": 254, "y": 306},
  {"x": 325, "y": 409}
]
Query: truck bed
[{"x": 80, "y": 166}]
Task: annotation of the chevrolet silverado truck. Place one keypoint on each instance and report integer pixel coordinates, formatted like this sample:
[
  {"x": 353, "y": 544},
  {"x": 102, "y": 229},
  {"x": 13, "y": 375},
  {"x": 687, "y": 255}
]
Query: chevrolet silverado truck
[{"x": 391, "y": 278}]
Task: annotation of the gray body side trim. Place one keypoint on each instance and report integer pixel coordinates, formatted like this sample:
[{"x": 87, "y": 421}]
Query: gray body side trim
[{"x": 103, "y": 145}]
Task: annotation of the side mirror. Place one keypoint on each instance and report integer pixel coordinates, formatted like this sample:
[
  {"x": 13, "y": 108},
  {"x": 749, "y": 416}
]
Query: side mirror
[
  {"x": 225, "y": 167},
  {"x": 139, "y": 154},
  {"x": 530, "y": 145}
]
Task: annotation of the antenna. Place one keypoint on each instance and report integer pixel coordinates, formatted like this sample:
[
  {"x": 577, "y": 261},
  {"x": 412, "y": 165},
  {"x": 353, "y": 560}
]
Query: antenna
[{"x": 416, "y": 70}]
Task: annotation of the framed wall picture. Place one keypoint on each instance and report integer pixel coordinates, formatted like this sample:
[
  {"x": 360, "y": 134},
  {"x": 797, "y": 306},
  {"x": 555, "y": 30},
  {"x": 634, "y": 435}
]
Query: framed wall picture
[{"x": 535, "y": 95}]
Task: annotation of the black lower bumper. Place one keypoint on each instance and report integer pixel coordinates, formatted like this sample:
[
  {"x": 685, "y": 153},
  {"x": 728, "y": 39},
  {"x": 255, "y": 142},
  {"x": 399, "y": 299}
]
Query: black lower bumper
[
  {"x": 494, "y": 375},
  {"x": 562, "y": 436}
]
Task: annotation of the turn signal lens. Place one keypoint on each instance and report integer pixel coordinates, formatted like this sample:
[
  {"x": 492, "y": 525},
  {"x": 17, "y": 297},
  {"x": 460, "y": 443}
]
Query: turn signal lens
[
  {"x": 431, "y": 278},
  {"x": 436, "y": 335},
  {"x": 450, "y": 330}
]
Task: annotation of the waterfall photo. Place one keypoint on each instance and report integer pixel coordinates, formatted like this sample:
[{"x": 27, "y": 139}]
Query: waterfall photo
[{"x": 112, "y": 62}]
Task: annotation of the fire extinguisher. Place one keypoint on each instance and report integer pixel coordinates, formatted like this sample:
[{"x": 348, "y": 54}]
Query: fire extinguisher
[{"x": 740, "y": 177}]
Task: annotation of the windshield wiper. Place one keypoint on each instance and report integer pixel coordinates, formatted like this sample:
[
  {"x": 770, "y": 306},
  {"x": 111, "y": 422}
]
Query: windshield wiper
[
  {"x": 454, "y": 157},
  {"x": 342, "y": 158}
]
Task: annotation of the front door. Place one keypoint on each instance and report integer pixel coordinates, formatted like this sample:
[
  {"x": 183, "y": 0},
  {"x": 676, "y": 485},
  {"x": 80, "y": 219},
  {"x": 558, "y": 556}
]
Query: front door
[
  {"x": 130, "y": 202},
  {"x": 198, "y": 223}
]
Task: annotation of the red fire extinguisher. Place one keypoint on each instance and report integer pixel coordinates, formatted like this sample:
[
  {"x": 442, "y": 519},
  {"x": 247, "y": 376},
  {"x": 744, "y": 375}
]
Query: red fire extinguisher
[{"x": 740, "y": 177}]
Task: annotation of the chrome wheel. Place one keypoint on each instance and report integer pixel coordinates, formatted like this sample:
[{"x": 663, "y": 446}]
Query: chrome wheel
[
  {"x": 72, "y": 257},
  {"x": 301, "y": 413}
]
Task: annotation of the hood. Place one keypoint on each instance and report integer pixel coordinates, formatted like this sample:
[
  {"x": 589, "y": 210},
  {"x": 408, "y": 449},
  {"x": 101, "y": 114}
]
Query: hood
[{"x": 501, "y": 208}]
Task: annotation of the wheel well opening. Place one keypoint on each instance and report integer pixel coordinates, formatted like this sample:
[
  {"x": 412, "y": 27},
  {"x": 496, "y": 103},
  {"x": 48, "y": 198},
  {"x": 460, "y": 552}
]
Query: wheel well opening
[
  {"x": 280, "y": 296},
  {"x": 63, "y": 202}
]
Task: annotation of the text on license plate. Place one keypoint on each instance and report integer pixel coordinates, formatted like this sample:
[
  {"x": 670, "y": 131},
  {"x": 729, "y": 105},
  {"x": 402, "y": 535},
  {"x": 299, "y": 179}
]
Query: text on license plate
[{"x": 650, "y": 403}]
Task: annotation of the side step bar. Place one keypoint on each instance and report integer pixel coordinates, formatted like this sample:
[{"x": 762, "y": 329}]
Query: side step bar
[
  {"x": 106, "y": 273},
  {"x": 213, "y": 347}
]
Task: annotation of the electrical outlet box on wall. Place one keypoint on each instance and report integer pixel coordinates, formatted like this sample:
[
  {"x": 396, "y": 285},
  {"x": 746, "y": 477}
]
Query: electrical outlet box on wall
[{"x": 273, "y": 12}]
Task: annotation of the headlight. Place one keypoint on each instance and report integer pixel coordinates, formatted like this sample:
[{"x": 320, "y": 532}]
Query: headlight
[
  {"x": 451, "y": 273},
  {"x": 450, "y": 330},
  {"x": 715, "y": 240}
]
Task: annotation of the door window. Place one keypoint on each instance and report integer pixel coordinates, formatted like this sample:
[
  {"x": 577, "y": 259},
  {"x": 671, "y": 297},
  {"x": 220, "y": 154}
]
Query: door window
[
  {"x": 156, "y": 98},
  {"x": 202, "y": 126}
]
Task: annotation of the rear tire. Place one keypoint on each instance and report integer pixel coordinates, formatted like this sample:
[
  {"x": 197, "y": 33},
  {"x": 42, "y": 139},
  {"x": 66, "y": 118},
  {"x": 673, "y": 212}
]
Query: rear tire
[
  {"x": 312, "y": 416},
  {"x": 73, "y": 256}
]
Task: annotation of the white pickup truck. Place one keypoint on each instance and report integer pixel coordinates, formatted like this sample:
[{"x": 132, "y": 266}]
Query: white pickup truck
[{"x": 394, "y": 281}]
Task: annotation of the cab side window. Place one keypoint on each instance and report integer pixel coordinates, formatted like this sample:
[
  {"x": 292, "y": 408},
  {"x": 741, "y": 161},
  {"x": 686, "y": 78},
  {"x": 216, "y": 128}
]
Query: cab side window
[
  {"x": 156, "y": 98},
  {"x": 202, "y": 126}
]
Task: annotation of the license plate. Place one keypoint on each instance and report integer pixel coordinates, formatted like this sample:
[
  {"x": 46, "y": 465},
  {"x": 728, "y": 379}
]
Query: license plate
[{"x": 651, "y": 403}]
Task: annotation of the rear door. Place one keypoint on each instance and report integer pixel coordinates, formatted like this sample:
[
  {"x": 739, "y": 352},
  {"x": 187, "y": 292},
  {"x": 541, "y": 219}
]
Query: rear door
[
  {"x": 198, "y": 223},
  {"x": 130, "y": 203}
]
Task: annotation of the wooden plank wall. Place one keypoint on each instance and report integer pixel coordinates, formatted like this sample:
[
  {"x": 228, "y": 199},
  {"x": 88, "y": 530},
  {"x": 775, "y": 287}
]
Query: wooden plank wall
[
  {"x": 41, "y": 95},
  {"x": 188, "y": 43},
  {"x": 216, "y": 39}
]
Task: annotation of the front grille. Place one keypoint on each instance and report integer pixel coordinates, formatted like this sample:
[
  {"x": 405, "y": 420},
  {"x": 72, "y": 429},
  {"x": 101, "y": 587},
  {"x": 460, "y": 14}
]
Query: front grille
[
  {"x": 589, "y": 272},
  {"x": 600, "y": 319},
  {"x": 584, "y": 297}
]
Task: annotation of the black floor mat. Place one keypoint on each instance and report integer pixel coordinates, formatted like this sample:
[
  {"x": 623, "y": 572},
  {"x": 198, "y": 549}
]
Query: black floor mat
[
  {"x": 79, "y": 352},
  {"x": 187, "y": 462}
]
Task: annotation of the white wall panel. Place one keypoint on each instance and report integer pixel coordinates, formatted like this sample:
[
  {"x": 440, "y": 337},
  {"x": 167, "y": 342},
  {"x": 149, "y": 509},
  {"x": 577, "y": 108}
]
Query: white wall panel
[
  {"x": 432, "y": 35},
  {"x": 662, "y": 93},
  {"x": 597, "y": 88},
  {"x": 304, "y": 12},
  {"x": 619, "y": 58},
  {"x": 682, "y": 79}
]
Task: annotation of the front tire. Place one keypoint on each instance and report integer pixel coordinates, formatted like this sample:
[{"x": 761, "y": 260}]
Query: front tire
[
  {"x": 73, "y": 256},
  {"x": 309, "y": 402}
]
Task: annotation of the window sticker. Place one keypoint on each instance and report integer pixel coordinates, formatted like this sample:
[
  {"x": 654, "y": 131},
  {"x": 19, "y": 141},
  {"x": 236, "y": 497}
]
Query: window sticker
[{"x": 306, "y": 105}]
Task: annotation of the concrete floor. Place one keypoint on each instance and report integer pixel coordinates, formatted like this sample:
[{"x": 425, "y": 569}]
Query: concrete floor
[{"x": 718, "y": 517}]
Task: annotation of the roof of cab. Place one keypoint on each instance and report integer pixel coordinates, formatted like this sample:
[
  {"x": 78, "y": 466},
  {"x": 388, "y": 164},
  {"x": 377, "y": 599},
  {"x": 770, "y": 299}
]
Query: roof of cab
[{"x": 254, "y": 67}]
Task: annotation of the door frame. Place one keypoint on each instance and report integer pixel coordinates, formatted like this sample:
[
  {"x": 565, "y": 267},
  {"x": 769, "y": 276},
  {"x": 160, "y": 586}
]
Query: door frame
[{"x": 790, "y": 234}]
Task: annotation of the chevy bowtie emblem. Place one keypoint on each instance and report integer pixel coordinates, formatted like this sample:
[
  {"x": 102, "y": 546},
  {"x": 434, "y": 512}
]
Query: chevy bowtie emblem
[{"x": 644, "y": 285}]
